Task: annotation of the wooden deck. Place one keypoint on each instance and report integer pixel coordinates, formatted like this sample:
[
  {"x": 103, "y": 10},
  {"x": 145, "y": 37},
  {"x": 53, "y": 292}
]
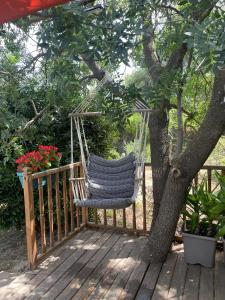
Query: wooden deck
[{"x": 108, "y": 265}]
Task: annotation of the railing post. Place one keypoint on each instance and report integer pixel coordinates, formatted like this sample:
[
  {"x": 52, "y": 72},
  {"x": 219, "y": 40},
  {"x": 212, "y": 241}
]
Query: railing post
[
  {"x": 209, "y": 175},
  {"x": 144, "y": 201},
  {"x": 30, "y": 219},
  {"x": 84, "y": 210}
]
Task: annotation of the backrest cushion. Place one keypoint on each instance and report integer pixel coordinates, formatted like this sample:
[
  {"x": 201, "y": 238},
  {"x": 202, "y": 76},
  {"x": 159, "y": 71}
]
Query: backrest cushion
[{"x": 111, "y": 178}]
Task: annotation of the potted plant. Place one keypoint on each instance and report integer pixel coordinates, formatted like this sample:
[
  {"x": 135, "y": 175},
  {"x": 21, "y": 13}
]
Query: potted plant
[
  {"x": 219, "y": 209},
  {"x": 44, "y": 158},
  {"x": 201, "y": 227}
]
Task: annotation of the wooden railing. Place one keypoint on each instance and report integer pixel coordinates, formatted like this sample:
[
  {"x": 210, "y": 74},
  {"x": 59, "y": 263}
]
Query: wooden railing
[
  {"x": 208, "y": 173},
  {"x": 52, "y": 217}
]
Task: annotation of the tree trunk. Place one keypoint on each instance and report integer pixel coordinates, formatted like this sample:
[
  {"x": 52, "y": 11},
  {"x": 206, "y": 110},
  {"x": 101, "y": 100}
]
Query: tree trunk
[
  {"x": 158, "y": 127},
  {"x": 183, "y": 170},
  {"x": 164, "y": 228},
  {"x": 180, "y": 134}
]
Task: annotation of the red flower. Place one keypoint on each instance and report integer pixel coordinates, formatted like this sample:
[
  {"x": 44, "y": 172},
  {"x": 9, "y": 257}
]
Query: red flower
[{"x": 44, "y": 158}]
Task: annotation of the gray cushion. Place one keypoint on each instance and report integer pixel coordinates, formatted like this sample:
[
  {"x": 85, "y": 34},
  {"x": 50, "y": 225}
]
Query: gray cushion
[
  {"x": 129, "y": 166},
  {"x": 109, "y": 177},
  {"x": 113, "y": 162},
  {"x": 115, "y": 181},
  {"x": 117, "y": 203},
  {"x": 110, "y": 183}
]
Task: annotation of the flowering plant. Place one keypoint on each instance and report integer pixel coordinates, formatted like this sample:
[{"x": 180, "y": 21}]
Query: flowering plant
[{"x": 45, "y": 157}]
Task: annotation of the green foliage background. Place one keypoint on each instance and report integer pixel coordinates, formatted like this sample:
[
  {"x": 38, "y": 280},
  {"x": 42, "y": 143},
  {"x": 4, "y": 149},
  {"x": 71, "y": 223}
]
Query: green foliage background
[{"x": 52, "y": 74}]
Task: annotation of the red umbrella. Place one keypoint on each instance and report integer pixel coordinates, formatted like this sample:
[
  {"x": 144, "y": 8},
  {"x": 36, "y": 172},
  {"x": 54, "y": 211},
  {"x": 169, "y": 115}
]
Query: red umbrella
[{"x": 14, "y": 9}]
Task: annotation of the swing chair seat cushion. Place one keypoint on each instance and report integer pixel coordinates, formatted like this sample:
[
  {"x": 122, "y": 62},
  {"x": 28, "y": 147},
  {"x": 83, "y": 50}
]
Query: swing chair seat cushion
[
  {"x": 117, "y": 203},
  {"x": 110, "y": 183}
]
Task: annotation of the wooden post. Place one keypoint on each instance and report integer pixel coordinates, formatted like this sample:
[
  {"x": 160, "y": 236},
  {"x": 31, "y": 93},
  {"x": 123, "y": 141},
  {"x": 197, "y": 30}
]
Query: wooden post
[
  {"x": 30, "y": 219},
  {"x": 84, "y": 209},
  {"x": 124, "y": 218},
  {"x": 196, "y": 180},
  {"x": 71, "y": 207},
  {"x": 144, "y": 201},
  {"x": 65, "y": 204},
  {"x": 42, "y": 215},
  {"x": 95, "y": 216},
  {"x": 114, "y": 217},
  {"x": 105, "y": 217},
  {"x": 134, "y": 216},
  {"x": 209, "y": 173},
  {"x": 58, "y": 207},
  {"x": 50, "y": 211}
]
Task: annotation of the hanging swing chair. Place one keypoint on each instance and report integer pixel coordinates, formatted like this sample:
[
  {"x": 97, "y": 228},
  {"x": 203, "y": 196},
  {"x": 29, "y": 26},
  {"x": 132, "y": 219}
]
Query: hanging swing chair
[{"x": 110, "y": 184}]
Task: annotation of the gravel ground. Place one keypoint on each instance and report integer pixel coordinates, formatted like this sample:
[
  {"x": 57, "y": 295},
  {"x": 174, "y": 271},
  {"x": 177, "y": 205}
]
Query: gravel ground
[{"x": 13, "y": 256}]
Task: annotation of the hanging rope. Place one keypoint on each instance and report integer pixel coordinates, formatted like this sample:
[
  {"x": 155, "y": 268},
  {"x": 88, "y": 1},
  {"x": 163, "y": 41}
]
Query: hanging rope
[{"x": 140, "y": 143}]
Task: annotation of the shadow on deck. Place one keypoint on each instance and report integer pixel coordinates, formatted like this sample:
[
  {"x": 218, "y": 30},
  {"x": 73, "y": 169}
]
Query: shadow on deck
[{"x": 107, "y": 265}]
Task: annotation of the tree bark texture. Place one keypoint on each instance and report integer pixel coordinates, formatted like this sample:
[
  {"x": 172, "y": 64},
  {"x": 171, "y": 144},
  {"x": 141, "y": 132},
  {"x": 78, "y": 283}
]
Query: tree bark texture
[
  {"x": 183, "y": 170},
  {"x": 158, "y": 127}
]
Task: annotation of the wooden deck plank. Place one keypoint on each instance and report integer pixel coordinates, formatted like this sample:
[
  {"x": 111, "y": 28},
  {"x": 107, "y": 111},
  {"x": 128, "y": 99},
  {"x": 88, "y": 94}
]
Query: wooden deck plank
[
  {"x": 51, "y": 263},
  {"x": 163, "y": 283},
  {"x": 219, "y": 277},
  {"x": 76, "y": 283},
  {"x": 130, "y": 263},
  {"x": 191, "y": 289},
  {"x": 207, "y": 284},
  {"x": 133, "y": 284},
  {"x": 101, "y": 270},
  {"x": 112, "y": 271},
  {"x": 75, "y": 267},
  {"x": 108, "y": 265},
  {"x": 147, "y": 287},
  {"x": 64, "y": 267},
  {"x": 178, "y": 280},
  {"x": 136, "y": 277}
]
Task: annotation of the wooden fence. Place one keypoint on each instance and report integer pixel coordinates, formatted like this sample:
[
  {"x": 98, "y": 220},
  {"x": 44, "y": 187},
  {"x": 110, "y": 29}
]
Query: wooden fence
[{"x": 52, "y": 217}]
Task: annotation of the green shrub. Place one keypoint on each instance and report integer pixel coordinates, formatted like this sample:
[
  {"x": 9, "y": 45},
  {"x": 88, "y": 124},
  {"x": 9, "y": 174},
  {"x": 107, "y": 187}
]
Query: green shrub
[{"x": 11, "y": 199}]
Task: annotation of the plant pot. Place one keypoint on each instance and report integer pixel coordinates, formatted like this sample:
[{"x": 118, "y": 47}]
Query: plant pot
[
  {"x": 35, "y": 181},
  {"x": 199, "y": 250}
]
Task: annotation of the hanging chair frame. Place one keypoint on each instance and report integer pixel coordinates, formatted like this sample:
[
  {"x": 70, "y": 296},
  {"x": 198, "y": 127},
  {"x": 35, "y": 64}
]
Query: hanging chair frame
[{"x": 77, "y": 116}]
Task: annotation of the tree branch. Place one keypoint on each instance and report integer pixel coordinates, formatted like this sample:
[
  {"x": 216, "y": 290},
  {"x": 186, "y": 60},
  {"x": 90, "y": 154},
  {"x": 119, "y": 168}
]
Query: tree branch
[
  {"x": 177, "y": 56},
  {"x": 32, "y": 121},
  {"x": 151, "y": 60},
  {"x": 33, "y": 61},
  {"x": 211, "y": 129},
  {"x": 200, "y": 15},
  {"x": 34, "y": 107},
  {"x": 170, "y": 7},
  {"x": 87, "y": 78},
  {"x": 98, "y": 73},
  {"x": 190, "y": 115}
]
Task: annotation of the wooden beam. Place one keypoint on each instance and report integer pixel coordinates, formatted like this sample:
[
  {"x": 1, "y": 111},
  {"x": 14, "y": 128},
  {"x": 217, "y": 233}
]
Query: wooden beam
[
  {"x": 140, "y": 110},
  {"x": 30, "y": 219},
  {"x": 54, "y": 171},
  {"x": 86, "y": 114}
]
